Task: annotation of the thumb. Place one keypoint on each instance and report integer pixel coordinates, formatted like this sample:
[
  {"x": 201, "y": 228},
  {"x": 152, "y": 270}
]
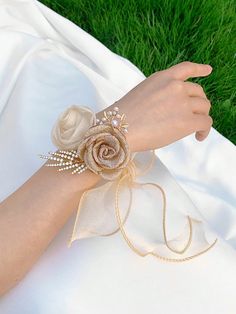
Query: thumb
[{"x": 187, "y": 69}]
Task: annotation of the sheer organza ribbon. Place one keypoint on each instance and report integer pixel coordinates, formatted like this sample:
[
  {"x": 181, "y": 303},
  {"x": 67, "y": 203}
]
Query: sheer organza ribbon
[{"x": 128, "y": 180}]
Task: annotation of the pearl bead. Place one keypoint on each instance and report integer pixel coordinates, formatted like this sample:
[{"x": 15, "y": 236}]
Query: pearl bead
[
  {"x": 114, "y": 122},
  {"x": 116, "y": 109}
]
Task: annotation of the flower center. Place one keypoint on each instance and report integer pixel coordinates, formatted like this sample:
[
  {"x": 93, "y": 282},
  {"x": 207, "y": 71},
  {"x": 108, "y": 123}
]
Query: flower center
[{"x": 106, "y": 152}]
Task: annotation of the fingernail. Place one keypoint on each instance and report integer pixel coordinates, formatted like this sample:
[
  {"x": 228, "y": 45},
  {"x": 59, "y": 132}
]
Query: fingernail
[{"x": 210, "y": 67}]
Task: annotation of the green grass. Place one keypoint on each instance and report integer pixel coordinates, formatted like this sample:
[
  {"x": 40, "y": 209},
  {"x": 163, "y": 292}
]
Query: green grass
[{"x": 155, "y": 34}]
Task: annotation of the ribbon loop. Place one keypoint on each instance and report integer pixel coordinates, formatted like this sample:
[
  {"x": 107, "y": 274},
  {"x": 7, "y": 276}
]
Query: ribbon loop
[{"x": 128, "y": 179}]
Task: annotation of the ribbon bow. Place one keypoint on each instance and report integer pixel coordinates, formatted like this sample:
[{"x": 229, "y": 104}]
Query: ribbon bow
[{"x": 128, "y": 179}]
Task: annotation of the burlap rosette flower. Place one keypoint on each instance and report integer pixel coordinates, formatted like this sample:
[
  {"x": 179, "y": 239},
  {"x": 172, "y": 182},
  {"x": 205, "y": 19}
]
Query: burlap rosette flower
[
  {"x": 71, "y": 125},
  {"x": 105, "y": 151}
]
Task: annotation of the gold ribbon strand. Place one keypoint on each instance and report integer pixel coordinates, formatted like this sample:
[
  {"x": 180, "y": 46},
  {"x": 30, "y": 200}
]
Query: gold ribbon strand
[{"x": 129, "y": 174}]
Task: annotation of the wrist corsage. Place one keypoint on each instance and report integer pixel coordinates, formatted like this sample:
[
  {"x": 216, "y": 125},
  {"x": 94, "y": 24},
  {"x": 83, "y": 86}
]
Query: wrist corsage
[{"x": 100, "y": 145}]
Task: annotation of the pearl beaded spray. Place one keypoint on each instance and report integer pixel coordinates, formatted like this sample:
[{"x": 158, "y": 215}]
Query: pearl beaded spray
[{"x": 115, "y": 119}]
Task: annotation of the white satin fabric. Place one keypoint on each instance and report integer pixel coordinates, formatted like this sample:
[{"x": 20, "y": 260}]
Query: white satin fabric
[{"x": 46, "y": 64}]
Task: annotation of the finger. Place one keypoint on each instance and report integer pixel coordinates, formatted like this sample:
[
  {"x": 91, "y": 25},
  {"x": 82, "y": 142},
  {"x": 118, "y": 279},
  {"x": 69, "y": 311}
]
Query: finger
[
  {"x": 187, "y": 69},
  {"x": 200, "y": 105},
  {"x": 201, "y": 124},
  {"x": 194, "y": 89},
  {"x": 200, "y": 136}
]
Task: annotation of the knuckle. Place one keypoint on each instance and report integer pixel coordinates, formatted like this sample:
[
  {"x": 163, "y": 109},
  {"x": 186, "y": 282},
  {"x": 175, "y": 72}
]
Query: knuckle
[
  {"x": 199, "y": 87},
  {"x": 200, "y": 90},
  {"x": 208, "y": 104},
  {"x": 202, "y": 122},
  {"x": 210, "y": 120}
]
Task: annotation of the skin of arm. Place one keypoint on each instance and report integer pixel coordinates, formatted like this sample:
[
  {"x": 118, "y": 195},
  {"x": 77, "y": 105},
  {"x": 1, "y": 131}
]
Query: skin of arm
[{"x": 31, "y": 217}]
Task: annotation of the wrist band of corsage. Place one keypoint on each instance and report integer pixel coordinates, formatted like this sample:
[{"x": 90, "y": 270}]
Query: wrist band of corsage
[{"x": 85, "y": 142}]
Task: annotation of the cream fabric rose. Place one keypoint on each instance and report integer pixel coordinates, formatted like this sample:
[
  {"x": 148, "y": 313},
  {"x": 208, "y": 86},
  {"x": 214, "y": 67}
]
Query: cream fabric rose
[
  {"x": 71, "y": 126},
  {"x": 105, "y": 151}
]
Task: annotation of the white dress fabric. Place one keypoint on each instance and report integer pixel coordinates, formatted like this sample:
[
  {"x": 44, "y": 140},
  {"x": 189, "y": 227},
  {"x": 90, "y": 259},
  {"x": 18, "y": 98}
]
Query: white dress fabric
[{"x": 48, "y": 63}]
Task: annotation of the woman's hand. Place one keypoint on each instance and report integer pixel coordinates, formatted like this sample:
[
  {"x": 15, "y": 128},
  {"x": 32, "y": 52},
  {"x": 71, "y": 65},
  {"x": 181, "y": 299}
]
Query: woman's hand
[{"x": 164, "y": 108}]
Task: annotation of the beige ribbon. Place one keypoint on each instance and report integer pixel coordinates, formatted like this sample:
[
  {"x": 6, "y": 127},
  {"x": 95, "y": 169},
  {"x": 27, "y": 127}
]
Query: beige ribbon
[{"x": 128, "y": 175}]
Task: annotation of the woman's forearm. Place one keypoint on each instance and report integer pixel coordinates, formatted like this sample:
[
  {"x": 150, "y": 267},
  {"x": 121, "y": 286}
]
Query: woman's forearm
[{"x": 32, "y": 216}]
